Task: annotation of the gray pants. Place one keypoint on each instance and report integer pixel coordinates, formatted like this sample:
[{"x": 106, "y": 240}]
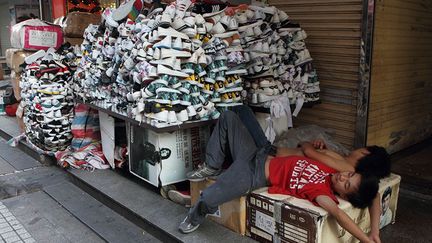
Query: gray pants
[{"x": 246, "y": 173}]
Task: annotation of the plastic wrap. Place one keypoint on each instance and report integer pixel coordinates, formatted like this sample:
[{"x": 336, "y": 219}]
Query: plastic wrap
[
  {"x": 77, "y": 22},
  {"x": 15, "y": 57},
  {"x": 308, "y": 133},
  {"x": 35, "y": 34}
]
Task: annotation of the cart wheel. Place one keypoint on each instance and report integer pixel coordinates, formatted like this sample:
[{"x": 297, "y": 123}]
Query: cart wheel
[{"x": 165, "y": 189}]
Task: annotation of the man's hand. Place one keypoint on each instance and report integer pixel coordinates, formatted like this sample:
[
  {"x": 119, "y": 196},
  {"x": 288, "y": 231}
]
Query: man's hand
[{"x": 318, "y": 144}]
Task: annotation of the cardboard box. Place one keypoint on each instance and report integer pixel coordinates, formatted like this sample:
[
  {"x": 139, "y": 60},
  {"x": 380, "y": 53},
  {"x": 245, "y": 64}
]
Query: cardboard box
[
  {"x": 35, "y": 34},
  {"x": 165, "y": 158},
  {"x": 282, "y": 218},
  {"x": 15, "y": 57},
  {"x": 231, "y": 214},
  {"x": 77, "y": 22},
  {"x": 74, "y": 41},
  {"x": 15, "y": 80},
  {"x": 21, "y": 124}
]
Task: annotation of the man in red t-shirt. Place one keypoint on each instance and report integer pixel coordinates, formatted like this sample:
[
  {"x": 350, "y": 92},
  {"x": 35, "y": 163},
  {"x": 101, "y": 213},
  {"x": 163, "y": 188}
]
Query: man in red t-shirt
[{"x": 254, "y": 167}]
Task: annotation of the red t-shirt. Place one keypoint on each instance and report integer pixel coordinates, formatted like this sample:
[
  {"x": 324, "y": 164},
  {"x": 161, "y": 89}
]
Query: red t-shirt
[{"x": 301, "y": 177}]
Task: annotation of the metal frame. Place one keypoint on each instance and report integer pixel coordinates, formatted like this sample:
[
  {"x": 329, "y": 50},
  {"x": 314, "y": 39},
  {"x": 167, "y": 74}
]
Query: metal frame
[
  {"x": 41, "y": 10},
  {"x": 366, "y": 48}
]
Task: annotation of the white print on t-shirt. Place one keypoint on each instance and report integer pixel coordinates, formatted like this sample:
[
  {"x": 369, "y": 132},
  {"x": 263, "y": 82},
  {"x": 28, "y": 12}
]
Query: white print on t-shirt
[{"x": 306, "y": 173}]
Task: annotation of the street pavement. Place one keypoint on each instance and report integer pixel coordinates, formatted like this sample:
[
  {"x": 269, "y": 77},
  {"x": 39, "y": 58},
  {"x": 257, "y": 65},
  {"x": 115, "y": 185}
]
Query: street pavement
[{"x": 40, "y": 204}]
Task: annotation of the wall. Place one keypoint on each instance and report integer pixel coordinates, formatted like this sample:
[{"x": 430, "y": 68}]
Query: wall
[
  {"x": 400, "y": 111},
  {"x": 4, "y": 28},
  {"x": 334, "y": 31}
]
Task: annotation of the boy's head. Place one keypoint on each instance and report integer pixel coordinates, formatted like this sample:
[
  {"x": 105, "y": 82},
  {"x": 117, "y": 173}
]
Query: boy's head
[
  {"x": 373, "y": 161},
  {"x": 358, "y": 189}
]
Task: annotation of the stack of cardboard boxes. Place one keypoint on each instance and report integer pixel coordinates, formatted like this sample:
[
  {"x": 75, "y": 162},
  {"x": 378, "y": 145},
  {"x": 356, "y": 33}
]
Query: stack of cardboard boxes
[{"x": 14, "y": 60}]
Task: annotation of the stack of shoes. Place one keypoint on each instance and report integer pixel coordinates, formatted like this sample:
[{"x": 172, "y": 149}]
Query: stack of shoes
[
  {"x": 47, "y": 93},
  {"x": 188, "y": 61},
  {"x": 275, "y": 52}
]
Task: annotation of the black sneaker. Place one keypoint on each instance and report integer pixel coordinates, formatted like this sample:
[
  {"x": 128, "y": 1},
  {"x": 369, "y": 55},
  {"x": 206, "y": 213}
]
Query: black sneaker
[
  {"x": 202, "y": 173},
  {"x": 187, "y": 227},
  {"x": 208, "y": 10}
]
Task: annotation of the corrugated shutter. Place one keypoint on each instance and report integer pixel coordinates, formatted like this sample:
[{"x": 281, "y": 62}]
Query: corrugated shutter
[
  {"x": 400, "y": 111},
  {"x": 334, "y": 32}
]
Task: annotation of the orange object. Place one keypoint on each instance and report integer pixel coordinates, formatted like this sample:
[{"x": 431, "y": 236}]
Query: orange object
[{"x": 58, "y": 8}]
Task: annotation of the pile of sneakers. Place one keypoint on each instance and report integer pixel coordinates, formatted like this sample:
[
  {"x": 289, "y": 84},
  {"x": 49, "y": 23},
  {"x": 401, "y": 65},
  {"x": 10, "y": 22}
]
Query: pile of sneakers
[
  {"x": 277, "y": 58},
  {"x": 187, "y": 61},
  {"x": 47, "y": 93}
]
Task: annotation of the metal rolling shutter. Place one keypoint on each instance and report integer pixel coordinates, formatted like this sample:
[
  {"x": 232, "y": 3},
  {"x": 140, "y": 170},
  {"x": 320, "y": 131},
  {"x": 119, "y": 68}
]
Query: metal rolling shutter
[{"x": 334, "y": 32}]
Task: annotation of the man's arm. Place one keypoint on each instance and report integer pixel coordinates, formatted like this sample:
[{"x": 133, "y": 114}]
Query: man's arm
[
  {"x": 374, "y": 213},
  {"x": 335, "y": 163},
  {"x": 342, "y": 218},
  {"x": 283, "y": 152}
]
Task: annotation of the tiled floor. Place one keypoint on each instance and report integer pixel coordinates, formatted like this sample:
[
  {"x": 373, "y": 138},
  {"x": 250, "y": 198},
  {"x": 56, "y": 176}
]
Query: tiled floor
[{"x": 11, "y": 230}]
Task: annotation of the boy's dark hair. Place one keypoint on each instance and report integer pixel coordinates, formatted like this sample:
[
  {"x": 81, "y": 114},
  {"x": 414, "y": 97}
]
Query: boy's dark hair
[
  {"x": 367, "y": 191},
  {"x": 377, "y": 163}
]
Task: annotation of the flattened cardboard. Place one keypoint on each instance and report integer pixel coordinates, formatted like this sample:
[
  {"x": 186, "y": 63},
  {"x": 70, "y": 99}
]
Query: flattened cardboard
[{"x": 231, "y": 214}]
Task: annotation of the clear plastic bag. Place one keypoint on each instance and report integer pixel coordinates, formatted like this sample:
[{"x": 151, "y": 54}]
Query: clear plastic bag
[{"x": 293, "y": 136}]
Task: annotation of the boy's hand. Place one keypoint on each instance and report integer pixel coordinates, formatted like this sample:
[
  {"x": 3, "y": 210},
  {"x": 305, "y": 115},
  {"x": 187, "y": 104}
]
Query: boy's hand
[
  {"x": 375, "y": 237},
  {"x": 342, "y": 218},
  {"x": 318, "y": 144}
]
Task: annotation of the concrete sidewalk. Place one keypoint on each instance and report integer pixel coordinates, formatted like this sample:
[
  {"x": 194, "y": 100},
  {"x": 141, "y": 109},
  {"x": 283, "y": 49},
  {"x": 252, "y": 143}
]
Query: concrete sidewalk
[{"x": 40, "y": 204}]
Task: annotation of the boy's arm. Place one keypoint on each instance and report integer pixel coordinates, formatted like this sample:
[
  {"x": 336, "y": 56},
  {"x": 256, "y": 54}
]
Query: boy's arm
[
  {"x": 374, "y": 213},
  {"x": 337, "y": 164},
  {"x": 342, "y": 218}
]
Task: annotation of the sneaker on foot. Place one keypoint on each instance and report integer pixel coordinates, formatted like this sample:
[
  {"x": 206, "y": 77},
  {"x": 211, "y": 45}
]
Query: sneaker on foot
[
  {"x": 202, "y": 173},
  {"x": 179, "y": 197},
  {"x": 187, "y": 227}
]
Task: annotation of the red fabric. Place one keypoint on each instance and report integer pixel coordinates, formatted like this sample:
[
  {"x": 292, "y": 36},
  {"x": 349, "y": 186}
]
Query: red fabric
[
  {"x": 11, "y": 109},
  {"x": 301, "y": 177}
]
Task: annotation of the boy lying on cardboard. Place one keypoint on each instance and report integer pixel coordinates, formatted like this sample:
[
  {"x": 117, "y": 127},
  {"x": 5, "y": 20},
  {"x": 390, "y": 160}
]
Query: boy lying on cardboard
[{"x": 295, "y": 172}]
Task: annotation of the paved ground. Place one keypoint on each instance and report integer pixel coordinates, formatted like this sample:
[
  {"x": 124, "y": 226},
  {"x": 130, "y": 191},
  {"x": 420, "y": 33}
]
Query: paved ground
[{"x": 40, "y": 204}]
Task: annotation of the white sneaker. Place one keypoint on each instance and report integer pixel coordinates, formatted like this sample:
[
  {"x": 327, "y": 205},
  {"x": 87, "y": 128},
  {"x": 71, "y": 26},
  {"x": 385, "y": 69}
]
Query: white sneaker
[
  {"x": 124, "y": 9},
  {"x": 217, "y": 29},
  {"x": 169, "y": 62},
  {"x": 303, "y": 57},
  {"x": 161, "y": 69},
  {"x": 178, "y": 44},
  {"x": 182, "y": 116},
  {"x": 161, "y": 116},
  {"x": 191, "y": 111},
  {"x": 172, "y": 117},
  {"x": 165, "y": 43},
  {"x": 165, "y": 53},
  {"x": 299, "y": 35},
  {"x": 167, "y": 16},
  {"x": 157, "y": 54},
  {"x": 181, "y": 7},
  {"x": 171, "y": 32}
]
